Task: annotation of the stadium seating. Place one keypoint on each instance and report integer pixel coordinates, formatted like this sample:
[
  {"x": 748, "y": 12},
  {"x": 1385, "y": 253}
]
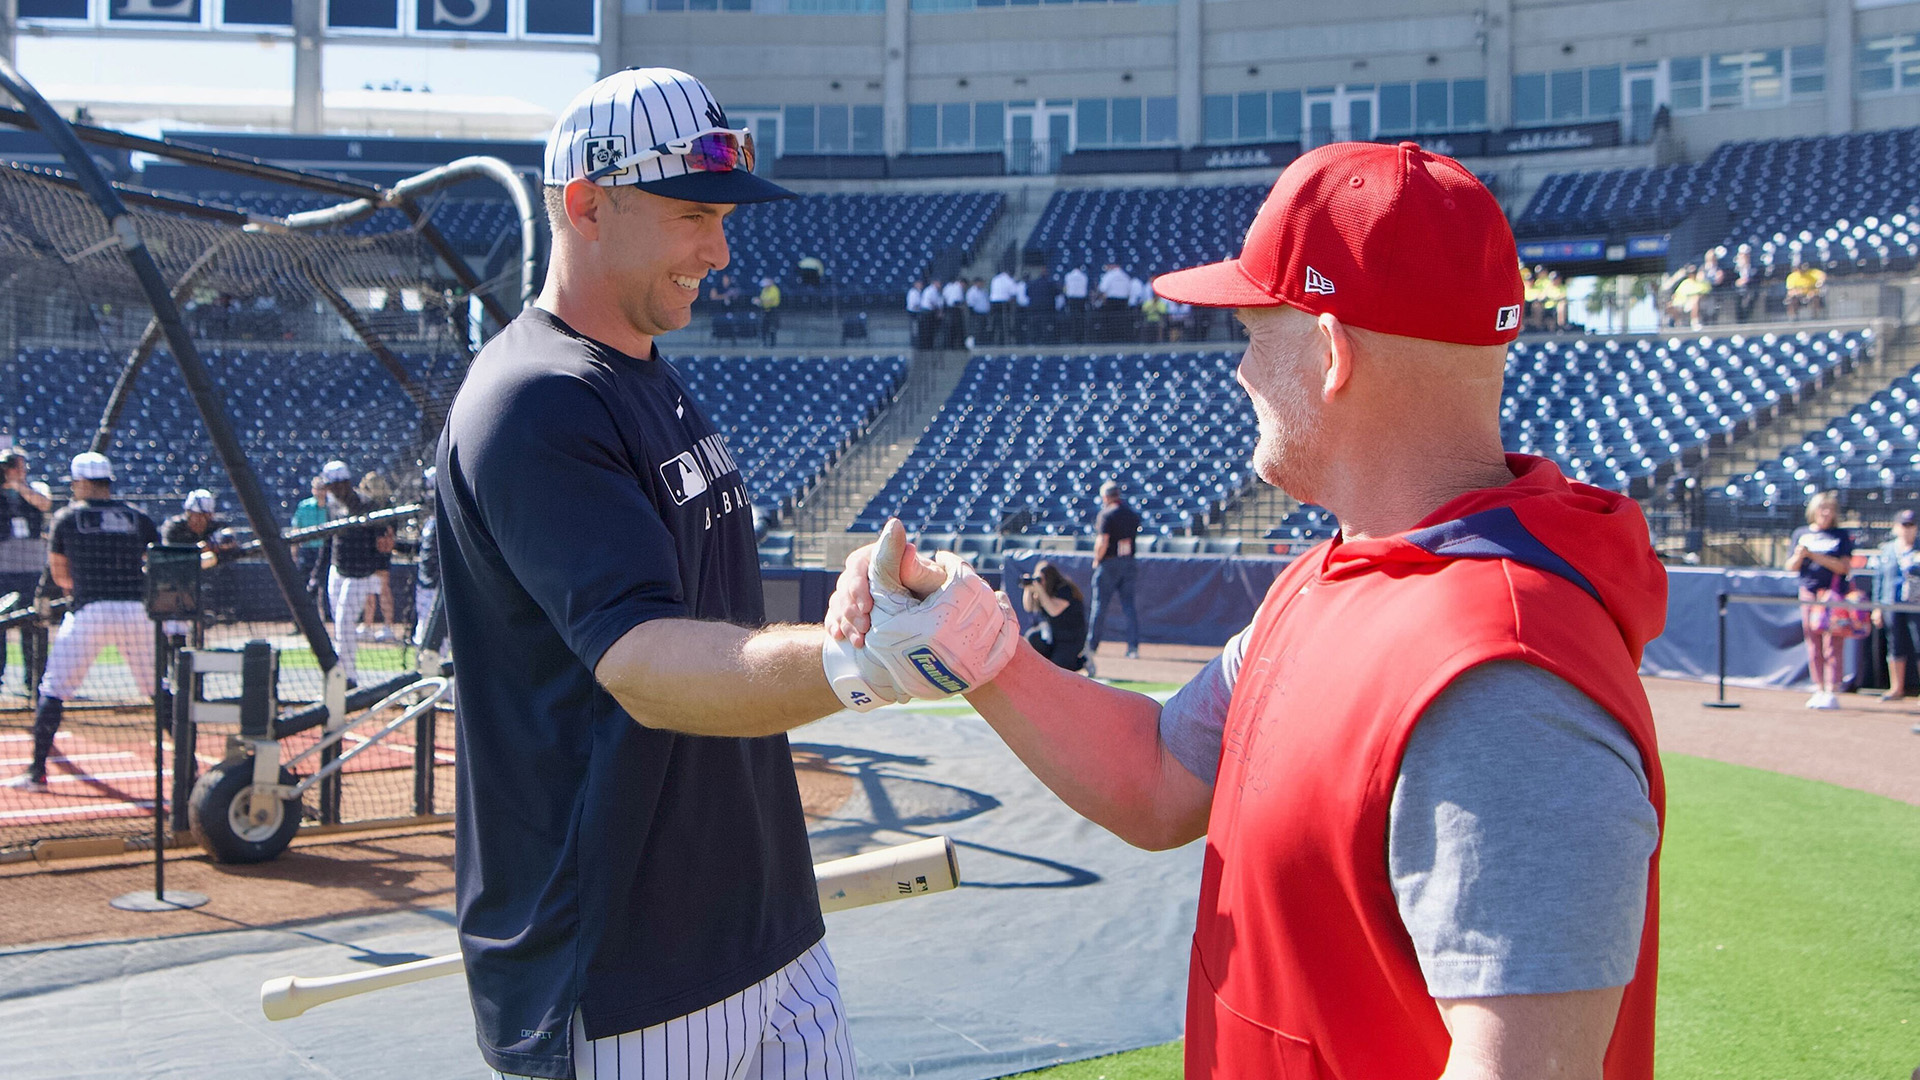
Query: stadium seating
[
  {"x": 1846, "y": 203},
  {"x": 1873, "y": 448},
  {"x": 472, "y": 226},
  {"x": 1147, "y": 231},
  {"x": 1305, "y": 526},
  {"x": 873, "y": 246},
  {"x": 785, "y": 419},
  {"x": 1035, "y": 436},
  {"x": 1614, "y": 412}
]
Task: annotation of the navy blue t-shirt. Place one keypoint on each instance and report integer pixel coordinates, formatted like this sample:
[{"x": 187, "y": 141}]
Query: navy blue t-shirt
[
  {"x": 1836, "y": 542},
  {"x": 1119, "y": 523},
  {"x": 631, "y": 872}
]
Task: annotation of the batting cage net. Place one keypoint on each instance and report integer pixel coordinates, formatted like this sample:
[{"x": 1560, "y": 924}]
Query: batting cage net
[{"x": 334, "y": 348}]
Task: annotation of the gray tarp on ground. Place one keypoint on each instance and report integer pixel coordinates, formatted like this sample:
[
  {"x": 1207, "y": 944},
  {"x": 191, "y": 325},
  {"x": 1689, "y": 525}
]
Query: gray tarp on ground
[{"x": 1065, "y": 944}]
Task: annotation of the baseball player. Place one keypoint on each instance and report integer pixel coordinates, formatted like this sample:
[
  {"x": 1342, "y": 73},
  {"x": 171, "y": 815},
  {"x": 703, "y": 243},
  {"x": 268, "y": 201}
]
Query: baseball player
[
  {"x": 635, "y": 890},
  {"x": 23, "y": 547},
  {"x": 197, "y": 525},
  {"x": 96, "y": 552},
  {"x": 1426, "y": 773},
  {"x": 350, "y": 564}
]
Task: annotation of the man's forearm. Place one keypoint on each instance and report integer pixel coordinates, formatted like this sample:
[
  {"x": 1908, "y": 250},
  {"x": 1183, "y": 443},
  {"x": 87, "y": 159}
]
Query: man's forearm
[
  {"x": 714, "y": 678},
  {"x": 1098, "y": 748}
]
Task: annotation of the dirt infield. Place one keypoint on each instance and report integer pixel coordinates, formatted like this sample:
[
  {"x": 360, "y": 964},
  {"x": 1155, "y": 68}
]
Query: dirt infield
[{"x": 1866, "y": 745}]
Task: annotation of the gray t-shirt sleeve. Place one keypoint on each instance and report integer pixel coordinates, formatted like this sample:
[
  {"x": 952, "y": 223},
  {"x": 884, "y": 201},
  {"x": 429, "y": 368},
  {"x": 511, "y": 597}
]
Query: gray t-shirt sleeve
[
  {"x": 1519, "y": 838},
  {"x": 1194, "y": 720}
]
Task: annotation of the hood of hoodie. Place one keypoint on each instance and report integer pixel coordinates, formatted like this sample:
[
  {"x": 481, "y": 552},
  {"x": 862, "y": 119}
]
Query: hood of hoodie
[{"x": 1594, "y": 538}]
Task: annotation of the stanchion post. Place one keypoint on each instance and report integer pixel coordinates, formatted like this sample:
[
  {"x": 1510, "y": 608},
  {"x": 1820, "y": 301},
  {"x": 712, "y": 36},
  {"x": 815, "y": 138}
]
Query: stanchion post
[
  {"x": 1720, "y": 635},
  {"x": 186, "y": 737}
]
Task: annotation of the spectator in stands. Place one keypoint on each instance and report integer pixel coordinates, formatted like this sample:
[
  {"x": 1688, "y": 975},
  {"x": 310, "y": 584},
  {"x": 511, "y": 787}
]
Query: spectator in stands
[
  {"x": 1043, "y": 309},
  {"x": 810, "y": 270},
  {"x": 1153, "y": 318},
  {"x": 933, "y": 302},
  {"x": 953, "y": 296},
  {"x": 914, "y": 311},
  {"x": 1823, "y": 556},
  {"x": 1896, "y": 573},
  {"x": 1060, "y": 632},
  {"x": 1115, "y": 286},
  {"x": 1688, "y": 295},
  {"x": 1073, "y": 288},
  {"x": 1000, "y": 294},
  {"x": 1114, "y": 571},
  {"x": 1021, "y": 303},
  {"x": 769, "y": 304},
  {"x": 1530, "y": 281},
  {"x": 1553, "y": 303},
  {"x": 1746, "y": 283},
  {"x": 724, "y": 292},
  {"x": 1806, "y": 290},
  {"x": 23, "y": 550},
  {"x": 979, "y": 312},
  {"x": 1179, "y": 320},
  {"x": 377, "y": 494},
  {"x": 1715, "y": 277}
]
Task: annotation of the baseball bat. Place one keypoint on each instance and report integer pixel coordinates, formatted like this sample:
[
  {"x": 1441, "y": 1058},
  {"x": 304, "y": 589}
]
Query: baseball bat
[{"x": 876, "y": 877}]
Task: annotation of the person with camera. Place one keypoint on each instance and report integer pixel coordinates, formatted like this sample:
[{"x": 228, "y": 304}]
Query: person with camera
[
  {"x": 1060, "y": 633},
  {"x": 1893, "y": 581}
]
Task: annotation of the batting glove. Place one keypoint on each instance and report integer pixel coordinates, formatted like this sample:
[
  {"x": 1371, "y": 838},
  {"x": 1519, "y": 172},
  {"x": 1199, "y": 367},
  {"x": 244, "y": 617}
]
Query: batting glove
[
  {"x": 857, "y": 676},
  {"x": 953, "y": 641}
]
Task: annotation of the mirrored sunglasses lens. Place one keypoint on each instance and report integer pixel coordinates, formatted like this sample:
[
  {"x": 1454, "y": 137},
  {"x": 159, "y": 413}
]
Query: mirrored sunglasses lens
[{"x": 716, "y": 153}]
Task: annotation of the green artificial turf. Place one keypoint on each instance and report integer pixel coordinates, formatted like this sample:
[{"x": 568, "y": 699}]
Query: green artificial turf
[{"x": 1790, "y": 935}]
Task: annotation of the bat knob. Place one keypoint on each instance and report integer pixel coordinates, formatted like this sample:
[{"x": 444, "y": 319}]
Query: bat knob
[{"x": 276, "y": 999}]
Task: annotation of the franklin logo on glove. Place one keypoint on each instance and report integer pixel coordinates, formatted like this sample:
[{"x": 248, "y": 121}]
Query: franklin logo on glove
[{"x": 935, "y": 671}]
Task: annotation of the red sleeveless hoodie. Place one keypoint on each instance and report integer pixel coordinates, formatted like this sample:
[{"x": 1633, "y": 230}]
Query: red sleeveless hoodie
[{"x": 1302, "y": 969}]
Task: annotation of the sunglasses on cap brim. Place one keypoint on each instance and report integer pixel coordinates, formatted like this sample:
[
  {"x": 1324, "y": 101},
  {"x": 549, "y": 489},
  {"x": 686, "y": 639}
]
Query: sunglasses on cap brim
[{"x": 712, "y": 150}]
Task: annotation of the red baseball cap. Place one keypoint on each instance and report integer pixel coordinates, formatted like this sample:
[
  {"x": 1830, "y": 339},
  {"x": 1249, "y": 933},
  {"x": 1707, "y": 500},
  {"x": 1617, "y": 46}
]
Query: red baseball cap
[{"x": 1389, "y": 238}]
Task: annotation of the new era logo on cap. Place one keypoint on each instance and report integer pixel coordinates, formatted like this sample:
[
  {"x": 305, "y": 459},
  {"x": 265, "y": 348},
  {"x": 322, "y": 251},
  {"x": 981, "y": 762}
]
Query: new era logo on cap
[{"x": 1317, "y": 282}]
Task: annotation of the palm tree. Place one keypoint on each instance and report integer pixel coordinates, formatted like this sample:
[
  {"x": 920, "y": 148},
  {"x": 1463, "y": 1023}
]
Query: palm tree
[{"x": 1616, "y": 295}]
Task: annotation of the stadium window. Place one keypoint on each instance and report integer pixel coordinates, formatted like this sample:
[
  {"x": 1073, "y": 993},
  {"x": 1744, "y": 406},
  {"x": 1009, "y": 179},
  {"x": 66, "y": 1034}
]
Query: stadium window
[
  {"x": 1469, "y": 104},
  {"x": 1252, "y": 126},
  {"x": 1396, "y": 108},
  {"x": 1529, "y": 99},
  {"x": 573, "y": 19},
  {"x": 1162, "y": 120},
  {"x": 834, "y": 7},
  {"x": 1569, "y": 90},
  {"x": 1429, "y": 106},
  {"x": 1603, "y": 92},
  {"x": 1888, "y": 63},
  {"x": 800, "y": 129},
  {"x": 1216, "y": 112},
  {"x": 1807, "y": 70},
  {"x": 1766, "y": 78},
  {"x": 956, "y": 126},
  {"x": 736, "y": 5},
  {"x": 1724, "y": 77},
  {"x": 53, "y": 9},
  {"x": 280, "y": 13},
  {"x": 669, "y": 5},
  {"x": 869, "y": 129},
  {"x": 1683, "y": 84},
  {"x": 923, "y": 127},
  {"x": 830, "y": 136},
  {"x": 1126, "y": 121},
  {"x": 989, "y": 125},
  {"x": 363, "y": 14},
  {"x": 1092, "y": 122},
  {"x": 1286, "y": 115}
]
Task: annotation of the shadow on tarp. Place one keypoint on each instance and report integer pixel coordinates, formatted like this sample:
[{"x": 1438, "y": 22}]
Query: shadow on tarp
[{"x": 1765, "y": 647}]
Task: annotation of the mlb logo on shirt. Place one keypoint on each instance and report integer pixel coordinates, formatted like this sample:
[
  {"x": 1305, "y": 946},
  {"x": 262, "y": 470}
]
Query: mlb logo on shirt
[
  {"x": 1508, "y": 319},
  {"x": 606, "y": 150},
  {"x": 684, "y": 478}
]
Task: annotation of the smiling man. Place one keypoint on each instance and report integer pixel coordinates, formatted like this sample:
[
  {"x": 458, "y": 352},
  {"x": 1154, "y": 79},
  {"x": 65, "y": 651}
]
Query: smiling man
[{"x": 635, "y": 891}]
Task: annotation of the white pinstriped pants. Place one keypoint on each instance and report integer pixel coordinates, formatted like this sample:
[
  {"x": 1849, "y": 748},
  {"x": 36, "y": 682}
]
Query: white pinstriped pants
[{"x": 788, "y": 1026}]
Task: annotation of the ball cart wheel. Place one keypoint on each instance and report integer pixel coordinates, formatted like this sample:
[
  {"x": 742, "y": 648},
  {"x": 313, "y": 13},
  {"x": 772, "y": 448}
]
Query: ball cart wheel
[{"x": 218, "y": 811}]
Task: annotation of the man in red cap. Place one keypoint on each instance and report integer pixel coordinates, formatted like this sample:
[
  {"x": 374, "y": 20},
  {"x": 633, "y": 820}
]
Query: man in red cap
[{"x": 1426, "y": 771}]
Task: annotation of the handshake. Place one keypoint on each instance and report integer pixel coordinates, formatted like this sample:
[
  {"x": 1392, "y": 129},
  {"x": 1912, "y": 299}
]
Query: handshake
[{"x": 956, "y": 639}]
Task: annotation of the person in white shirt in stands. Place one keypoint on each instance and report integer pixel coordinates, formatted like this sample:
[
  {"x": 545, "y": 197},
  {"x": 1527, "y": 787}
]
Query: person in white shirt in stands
[
  {"x": 1115, "y": 284},
  {"x": 954, "y": 296},
  {"x": 913, "y": 309},
  {"x": 932, "y": 301},
  {"x": 1000, "y": 294},
  {"x": 1073, "y": 290},
  {"x": 980, "y": 311}
]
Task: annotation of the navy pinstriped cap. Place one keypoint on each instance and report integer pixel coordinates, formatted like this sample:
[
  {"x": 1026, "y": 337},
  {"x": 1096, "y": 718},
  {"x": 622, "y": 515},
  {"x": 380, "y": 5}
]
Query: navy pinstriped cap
[{"x": 639, "y": 109}]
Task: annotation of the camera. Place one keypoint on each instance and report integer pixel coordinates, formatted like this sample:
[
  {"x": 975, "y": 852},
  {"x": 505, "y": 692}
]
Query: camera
[{"x": 1028, "y": 579}]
